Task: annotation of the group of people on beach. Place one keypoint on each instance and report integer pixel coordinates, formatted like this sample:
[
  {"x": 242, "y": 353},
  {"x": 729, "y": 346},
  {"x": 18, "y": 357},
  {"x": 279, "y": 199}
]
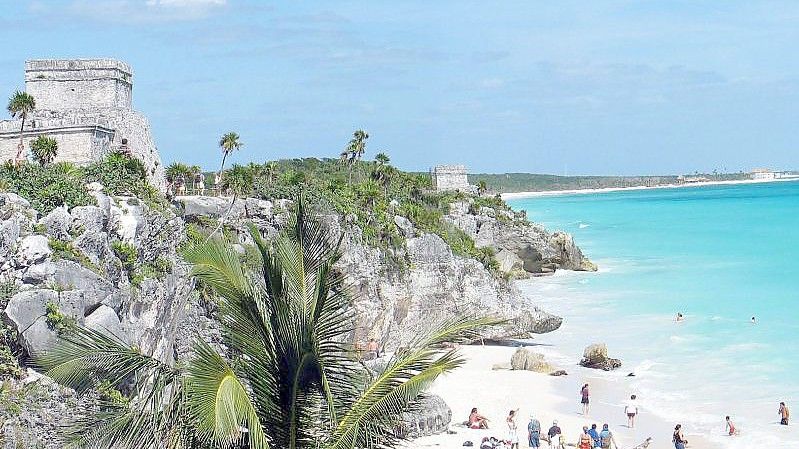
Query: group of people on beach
[{"x": 589, "y": 438}]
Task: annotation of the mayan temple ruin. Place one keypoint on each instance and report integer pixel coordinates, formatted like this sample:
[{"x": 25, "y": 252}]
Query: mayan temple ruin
[
  {"x": 450, "y": 177},
  {"x": 86, "y": 106}
]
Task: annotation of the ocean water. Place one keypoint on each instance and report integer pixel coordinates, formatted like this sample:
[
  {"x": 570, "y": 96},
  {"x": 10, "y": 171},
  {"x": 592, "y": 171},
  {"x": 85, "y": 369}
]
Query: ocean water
[{"x": 718, "y": 254}]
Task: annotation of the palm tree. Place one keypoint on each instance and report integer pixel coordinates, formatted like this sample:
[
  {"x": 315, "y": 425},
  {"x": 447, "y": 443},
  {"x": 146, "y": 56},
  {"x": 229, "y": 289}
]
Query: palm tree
[
  {"x": 287, "y": 379},
  {"x": 229, "y": 143},
  {"x": 20, "y": 105},
  {"x": 354, "y": 150},
  {"x": 382, "y": 159},
  {"x": 44, "y": 150},
  {"x": 381, "y": 173},
  {"x": 270, "y": 170},
  {"x": 482, "y": 187}
]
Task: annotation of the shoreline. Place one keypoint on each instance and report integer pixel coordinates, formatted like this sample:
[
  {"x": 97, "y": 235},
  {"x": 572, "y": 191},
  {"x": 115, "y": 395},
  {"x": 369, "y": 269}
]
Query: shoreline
[
  {"x": 548, "y": 398},
  {"x": 539, "y": 193}
]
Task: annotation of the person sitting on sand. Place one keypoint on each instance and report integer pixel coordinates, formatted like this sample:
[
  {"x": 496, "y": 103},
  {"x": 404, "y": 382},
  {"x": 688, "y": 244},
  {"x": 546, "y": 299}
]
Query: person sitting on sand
[
  {"x": 631, "y": 409},
  {"x": 730, "y": 427},
  {"x": 594, "y": 435},
  {"x": 477, "y": 421},
  {"x": 534, "y": 432},
  {"x": 784, "y": 414},
  {"x": 606, "y": 438},
  {"x": 678, "y": 439},
  {"x": 585, "y": 441}
]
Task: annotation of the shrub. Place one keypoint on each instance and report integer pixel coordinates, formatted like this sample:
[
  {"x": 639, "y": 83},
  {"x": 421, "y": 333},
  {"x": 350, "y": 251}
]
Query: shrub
[
  {"x": 44, "y": 150},
  {"x": 66, "y": 250},
  {"x": 56, "y": 320},
  {"x": 128, "y": 255}
]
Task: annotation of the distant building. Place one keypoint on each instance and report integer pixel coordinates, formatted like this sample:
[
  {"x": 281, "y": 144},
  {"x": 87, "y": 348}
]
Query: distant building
[
  {"x": 764, "y": 174},
  {"x": 450, "y": 177},
  {"x": 691, "y": 179},
  {"x": 86, "y": 106}
]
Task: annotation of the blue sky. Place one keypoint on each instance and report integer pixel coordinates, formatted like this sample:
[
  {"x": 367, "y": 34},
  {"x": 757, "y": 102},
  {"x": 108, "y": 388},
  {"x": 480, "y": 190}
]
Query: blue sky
[{"x": 585, "y": 87}]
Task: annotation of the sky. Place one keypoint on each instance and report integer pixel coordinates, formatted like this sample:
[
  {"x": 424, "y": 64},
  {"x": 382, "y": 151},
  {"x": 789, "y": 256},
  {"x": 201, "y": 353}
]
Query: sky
[{"x": 565, "y": 87}]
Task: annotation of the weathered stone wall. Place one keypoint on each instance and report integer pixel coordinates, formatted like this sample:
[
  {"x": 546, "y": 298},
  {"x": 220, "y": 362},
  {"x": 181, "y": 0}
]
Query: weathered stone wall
[
  {"x": 77, "y": 144},
  {"x": 450, "y": 177},
  {"x": 59, "y": 84}
]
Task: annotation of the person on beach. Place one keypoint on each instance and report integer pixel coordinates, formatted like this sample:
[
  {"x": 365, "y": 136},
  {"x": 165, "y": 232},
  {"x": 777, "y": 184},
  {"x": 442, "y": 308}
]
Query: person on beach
[
  {"x": 372, "y": 349},
  {"x": 594, "y": 435},
  {"x": 585, "y": 441},
  {"x": 477, "y": 421},
  {"x": 631, "y": 409},
  {"x": 784, "y": 414},
  {"x": 553, "y": 435},
  {"x": 677, "y": 438},
  {"x": 730, "y": 427},
  {"x": 534, "y": 432},
  {"x": 513, "y": 434},
  {"x": 606, "y": 438},
  {"x": 584, "y": 399}
]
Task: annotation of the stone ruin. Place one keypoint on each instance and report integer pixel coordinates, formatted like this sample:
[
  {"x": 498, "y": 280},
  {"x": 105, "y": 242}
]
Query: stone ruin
[
  {"x": 450, "y": 177},
  {"x": 86, "y": 106}
]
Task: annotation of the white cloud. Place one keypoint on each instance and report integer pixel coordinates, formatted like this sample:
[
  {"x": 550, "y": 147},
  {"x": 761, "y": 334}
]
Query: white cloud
[{"x": 138, "y": 11}]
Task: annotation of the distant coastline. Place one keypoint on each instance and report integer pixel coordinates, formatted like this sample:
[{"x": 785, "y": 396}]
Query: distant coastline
[{"x": 516, "y": 195}]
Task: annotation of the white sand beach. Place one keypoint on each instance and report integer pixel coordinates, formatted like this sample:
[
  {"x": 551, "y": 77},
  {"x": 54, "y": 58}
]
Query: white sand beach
[
  {"x": 548, "y": 398},
  {"x": 515, "y": 195}
]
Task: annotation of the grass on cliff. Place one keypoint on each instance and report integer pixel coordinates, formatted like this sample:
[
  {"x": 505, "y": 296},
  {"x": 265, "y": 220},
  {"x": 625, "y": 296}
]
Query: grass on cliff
[
  {"x": 64, "y": 184},
  {"x": 374, "y": 195}
]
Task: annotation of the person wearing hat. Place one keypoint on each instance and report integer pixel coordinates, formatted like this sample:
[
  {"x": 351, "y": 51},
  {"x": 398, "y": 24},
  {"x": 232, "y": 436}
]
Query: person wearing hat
[{"x": 534, "y": 432}]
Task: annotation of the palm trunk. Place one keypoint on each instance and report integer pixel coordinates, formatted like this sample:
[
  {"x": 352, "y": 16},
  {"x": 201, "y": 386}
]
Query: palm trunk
[
  {"x": 222, "y": 167},
  {"x": 21, "y": 147}
]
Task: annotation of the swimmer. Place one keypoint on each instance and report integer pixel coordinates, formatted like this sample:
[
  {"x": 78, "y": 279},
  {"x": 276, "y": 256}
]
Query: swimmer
[
  {"x": 753, "y": 321},
  {"x": 680, "y": 317},
  {"x": 730, "y": 427}
]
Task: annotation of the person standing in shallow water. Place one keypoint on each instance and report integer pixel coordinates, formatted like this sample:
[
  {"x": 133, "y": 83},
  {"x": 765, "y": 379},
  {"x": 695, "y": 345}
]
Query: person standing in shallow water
[
  {"x": 678, "y": 439},
  {"x": 784, "y": 414},
  {"x": 631, "y": 410},
  {"x": 584, "y": 399},
  {"x": 730, "y": 427}
]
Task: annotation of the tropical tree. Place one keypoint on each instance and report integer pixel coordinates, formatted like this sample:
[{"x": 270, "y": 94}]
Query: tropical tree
[
  {"x": 270, "y": 171},
  {"x": 382, "y": 159},
  {"x": 482, "y": 187},
  {"x": 286, "y": 378},
  {"x": 19, "y": 106},
  {"x": 381, "y": 173},
  {"x": 369, "y": 190},
  {"x": 44, "y": 150},
  {"x": 229, "y": 143},
  {"x": 177, "y": 170},
  {"x": 354, "y": 150}
]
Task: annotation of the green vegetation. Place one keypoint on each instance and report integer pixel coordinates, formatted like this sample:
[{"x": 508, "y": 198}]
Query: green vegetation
[
  {"x": 529, "y": 182},
  {"x": 288, "y": 377},
  {"x": 67, "y": 251},
  {"x": 228, "y": 143},
  {"x": 9, "y": 366},
  {"x": 57, "y": 321},
  {"x": 19, "y": 106},
  {"x": 44, "y": 150},
  {"x": 64, "y": 184}
]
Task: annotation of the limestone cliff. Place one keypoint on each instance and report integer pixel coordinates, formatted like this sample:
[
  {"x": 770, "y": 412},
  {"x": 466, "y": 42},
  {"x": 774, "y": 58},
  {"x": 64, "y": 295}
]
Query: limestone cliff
[{"x": 115, "y": 267}]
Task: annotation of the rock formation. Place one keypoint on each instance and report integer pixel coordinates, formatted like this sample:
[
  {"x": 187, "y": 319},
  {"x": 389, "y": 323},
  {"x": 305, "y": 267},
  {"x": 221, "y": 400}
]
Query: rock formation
[
  {"x": 524, "y": 359},
  {"x": 522, "y": 248},
  {"x": 596, "y": 356}
]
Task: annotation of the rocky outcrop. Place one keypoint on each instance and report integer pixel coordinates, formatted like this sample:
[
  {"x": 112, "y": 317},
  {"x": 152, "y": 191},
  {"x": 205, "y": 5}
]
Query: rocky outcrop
[
  {"x": 522, "y": 248},
  {"x": 432, "y": 416},
  {"x": 596, "y": 356},
  {"x": 526, "y": 360}
]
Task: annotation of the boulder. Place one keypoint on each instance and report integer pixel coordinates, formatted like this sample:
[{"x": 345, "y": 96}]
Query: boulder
[
  {"x": 525, "y": 360},
  {"x": 501, "y": 366},
  {"x": 431, "y": 416},
  {"x": 33, "y": 249},
  {"x": 38, "y": 338},
  {"x": 70, "y": 276},
  {"x": 87, "y": 219},
  {"x": 596, "y": 356},
  {"x": 26, "y": 307},
  {"x": 12, "y": 200},
  {"x": 257, "y": 208},
  {"x": 560, "y": 372},
  {"x": 94, "y": 245},
  {"x": 9, "y": 233},
  {"x": 104, "y": 319},
  {"x": 429, "y": 249},
  {"x": 534, "y": 321},
  {"x": 58, "y": 223},
  {"x": 569, "y": 255},
  {"x": 404, "y": 225},
  {"x": 211, "y": 206},
  {"x": 509, "y": 262}
]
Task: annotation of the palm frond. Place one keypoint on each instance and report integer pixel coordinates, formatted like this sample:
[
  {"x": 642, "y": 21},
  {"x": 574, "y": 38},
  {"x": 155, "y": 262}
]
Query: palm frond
[{"x": 219, "y": 402}]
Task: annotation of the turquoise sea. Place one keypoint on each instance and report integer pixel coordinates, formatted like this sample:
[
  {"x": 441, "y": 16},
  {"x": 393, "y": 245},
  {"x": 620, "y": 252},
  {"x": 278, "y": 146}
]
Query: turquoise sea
[{"x": 718, "y": 254}]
